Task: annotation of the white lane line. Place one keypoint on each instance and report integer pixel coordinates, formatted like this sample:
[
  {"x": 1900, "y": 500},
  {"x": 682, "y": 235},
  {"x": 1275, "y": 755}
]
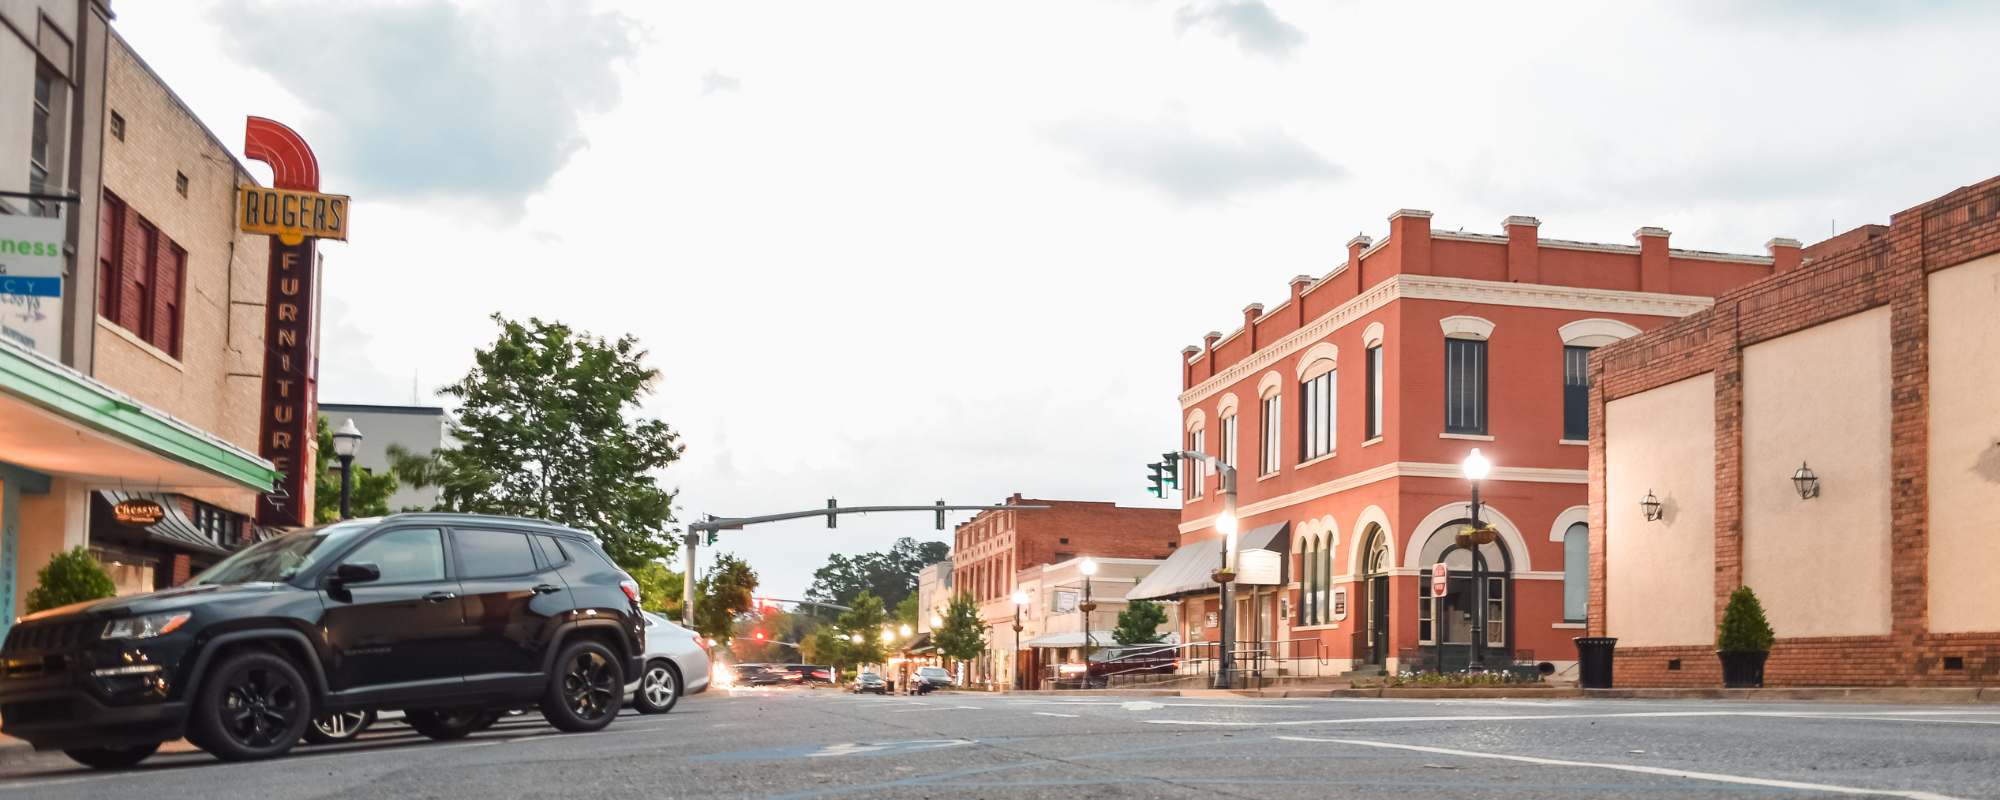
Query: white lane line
[
  {"x": 1675, "y": 773},
  {"x": 1049, "y": 714},
  {"x": 1883, "y": 715},
  {"x": 937, "y": 708}
]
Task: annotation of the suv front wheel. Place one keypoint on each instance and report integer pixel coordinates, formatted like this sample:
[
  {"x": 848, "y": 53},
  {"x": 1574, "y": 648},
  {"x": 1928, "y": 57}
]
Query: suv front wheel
[
  {"x": 256, "y": 706},
  {"x": 585, "y": 691}
]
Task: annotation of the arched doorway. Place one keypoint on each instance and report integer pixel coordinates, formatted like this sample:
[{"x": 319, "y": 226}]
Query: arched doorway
[
  {"x": 1374, "y": 579},
  {"x": 1444, "y": 624}
]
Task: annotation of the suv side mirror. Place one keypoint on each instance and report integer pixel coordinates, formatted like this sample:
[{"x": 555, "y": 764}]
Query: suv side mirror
[{"x": 357, "y": 573}]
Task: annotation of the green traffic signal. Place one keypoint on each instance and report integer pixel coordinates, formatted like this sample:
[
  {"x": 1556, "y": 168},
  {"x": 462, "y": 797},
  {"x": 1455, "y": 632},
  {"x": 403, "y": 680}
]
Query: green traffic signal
[{"x": 1156, "y": 489}]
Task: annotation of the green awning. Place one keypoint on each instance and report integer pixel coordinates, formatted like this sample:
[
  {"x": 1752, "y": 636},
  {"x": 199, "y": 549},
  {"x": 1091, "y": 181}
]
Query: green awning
[{"x": 54, "y": 419}]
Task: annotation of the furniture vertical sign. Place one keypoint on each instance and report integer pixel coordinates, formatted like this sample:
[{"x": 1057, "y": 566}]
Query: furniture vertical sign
[{"x": 295, "y": 219}]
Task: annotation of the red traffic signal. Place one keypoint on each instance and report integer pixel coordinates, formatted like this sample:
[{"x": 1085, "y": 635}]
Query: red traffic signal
[{"x": 760, "y": 636}]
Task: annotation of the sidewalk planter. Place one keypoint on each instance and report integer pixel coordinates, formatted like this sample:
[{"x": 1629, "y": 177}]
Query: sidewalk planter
[
  {"x": 1593, "y": 661},
  {"x": 1743, "y": 669}
]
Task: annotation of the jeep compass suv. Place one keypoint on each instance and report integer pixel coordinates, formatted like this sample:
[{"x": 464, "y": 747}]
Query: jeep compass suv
[{"x": 450, "y": 618}]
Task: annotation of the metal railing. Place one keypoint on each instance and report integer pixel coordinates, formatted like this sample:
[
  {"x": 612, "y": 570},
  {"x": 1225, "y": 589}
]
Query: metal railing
[{"x": 1258, "y": 663}]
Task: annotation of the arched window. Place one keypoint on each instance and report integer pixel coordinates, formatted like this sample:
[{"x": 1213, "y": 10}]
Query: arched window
[
  {"x": 1576, "y": 573},
  {"x": 1452, "y": 612},
  {"x": 1326, "y": 578},
  {"x": 1308, "y": 581},
  {"x": 1316, "y": 406}
]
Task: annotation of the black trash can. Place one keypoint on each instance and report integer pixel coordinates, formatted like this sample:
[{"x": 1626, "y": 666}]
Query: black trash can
[{"x": 1593, "y": 661}]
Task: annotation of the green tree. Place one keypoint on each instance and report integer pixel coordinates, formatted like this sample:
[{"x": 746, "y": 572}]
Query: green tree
[
  {"x": 1744, "y": 628},
  {"x": 73, "y": 576},
  {"x": 962, "y": 637},
  {"x": 543, "y": 432},
  {"x": 866, "y": 618},
  {"x": 906, "y": 611},
  {"x": 721, "y": 594},
  {"x": 661, "y": 591},
  {"x": 831, "y": 647},
  {"x": 368, "y": 496},
  {"x": 890, "y": 576},
  {"x": 1139, "y": 623}
]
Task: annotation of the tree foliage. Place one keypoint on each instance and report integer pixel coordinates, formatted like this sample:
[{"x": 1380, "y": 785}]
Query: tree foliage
[
  {"x": 367, "y": 496},
  {"x": 963, "y": 635},
  {"x": 720, "y": 595},
  {"x": 1139, "y": 623},
  {"x": 72, "y": 576},
  {"x": 661, "y": 590},
  {"x": 543, "y": 432},
  {"x": 907, "y": 611},
  {"x": 1743, "y": 625},
  {"x": 890, "y": 576},
  {"x": 865, "y": 619}
]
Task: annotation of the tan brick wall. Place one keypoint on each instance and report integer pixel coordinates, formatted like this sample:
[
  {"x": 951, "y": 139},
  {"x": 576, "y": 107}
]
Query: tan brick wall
[
  {"x": 215, "y": 384},
  {"x": 1885, "y": 268}
]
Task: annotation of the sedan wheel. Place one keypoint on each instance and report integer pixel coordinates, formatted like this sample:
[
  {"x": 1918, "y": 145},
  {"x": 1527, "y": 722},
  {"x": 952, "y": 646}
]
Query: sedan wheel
[
  {"x": 341, "y": 727},
  {"x": 659, "y": 689}
]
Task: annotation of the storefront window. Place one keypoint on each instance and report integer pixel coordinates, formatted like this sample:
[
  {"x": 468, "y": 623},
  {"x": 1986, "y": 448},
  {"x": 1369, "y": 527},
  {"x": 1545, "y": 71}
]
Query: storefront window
[{"x": 132, "y": 574}]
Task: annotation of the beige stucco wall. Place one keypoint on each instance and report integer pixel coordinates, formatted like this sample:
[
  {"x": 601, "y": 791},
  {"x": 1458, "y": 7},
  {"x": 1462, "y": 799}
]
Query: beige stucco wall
[
  {"x": 1964, "y": 446},
  {"x": 1659, "y": 581},
  {"x": 1819, "y": 397},
  {"x": 214, "y": 385}
]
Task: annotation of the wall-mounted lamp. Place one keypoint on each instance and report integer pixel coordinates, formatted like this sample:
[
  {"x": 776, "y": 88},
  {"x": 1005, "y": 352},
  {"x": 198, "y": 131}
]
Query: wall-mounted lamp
[
  {"x": 1806, "y": 482},
  {"x": 1652, "y": 507}
]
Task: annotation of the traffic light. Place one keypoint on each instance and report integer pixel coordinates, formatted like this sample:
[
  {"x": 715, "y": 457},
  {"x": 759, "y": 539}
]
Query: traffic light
[
  {"x": 1156, "y": 488},
  {"x": 832, "y": 519},
  {"x": 760, "y": 636},
  {"x": 940, "y": 515},
  {"x": 1172, "y": 466},
  {"x": 711, "y": 538}
]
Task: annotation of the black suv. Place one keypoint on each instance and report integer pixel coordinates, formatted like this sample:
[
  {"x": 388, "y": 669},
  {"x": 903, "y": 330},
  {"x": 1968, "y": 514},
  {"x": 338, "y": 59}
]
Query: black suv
[{"x": 452, "y": 618}]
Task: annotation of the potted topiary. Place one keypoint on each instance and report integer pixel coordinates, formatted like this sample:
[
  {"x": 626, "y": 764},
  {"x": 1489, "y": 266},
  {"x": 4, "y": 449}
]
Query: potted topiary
[
  {"x": 71, "y": 577},
  {"x": 1744, "y": 641}
]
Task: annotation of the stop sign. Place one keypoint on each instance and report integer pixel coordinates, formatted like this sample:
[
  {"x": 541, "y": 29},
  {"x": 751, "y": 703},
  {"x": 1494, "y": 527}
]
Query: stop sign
[{"x": 1437, "y": 579}]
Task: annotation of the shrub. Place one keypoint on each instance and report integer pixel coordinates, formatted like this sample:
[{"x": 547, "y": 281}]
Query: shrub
[
  {"x": 1744, "y": 628},
  {"x": 71, "y": 577}
]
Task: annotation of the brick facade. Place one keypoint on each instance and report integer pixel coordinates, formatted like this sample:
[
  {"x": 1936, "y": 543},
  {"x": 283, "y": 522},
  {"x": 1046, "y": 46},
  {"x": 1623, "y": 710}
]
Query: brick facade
[{"x": 1866, "y": 268}]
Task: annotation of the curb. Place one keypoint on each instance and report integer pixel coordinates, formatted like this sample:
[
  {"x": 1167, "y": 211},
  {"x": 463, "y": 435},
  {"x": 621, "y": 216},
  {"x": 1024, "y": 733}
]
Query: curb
[{"x": 1896, "y": 695}]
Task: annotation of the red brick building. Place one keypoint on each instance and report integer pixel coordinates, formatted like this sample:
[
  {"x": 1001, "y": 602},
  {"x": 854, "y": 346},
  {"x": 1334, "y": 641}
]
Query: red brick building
[
  {"x": 1830, "y": 438},
  {"x": 1348, "y": 408},
  {"x": 989, "y": 550}
]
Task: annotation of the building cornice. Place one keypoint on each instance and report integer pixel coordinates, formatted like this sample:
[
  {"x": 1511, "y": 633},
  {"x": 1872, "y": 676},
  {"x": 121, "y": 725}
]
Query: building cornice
[{"x": 1465, "y": 290}]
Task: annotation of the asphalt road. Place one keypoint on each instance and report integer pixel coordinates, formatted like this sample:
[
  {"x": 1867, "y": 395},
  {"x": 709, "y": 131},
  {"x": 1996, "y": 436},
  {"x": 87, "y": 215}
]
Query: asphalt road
[{"x": 798, "y": 743}]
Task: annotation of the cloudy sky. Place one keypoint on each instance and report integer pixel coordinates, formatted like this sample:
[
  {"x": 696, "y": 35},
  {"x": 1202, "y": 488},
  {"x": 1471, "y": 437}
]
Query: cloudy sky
[{"x": 897, "y": 252}]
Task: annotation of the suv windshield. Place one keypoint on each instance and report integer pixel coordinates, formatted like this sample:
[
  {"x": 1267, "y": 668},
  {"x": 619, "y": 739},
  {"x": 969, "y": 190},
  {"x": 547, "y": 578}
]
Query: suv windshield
[{"x": 279, "y": 559}]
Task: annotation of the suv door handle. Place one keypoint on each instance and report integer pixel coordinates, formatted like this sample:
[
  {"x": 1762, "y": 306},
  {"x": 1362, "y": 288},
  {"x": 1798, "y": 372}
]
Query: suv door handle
[
  {"x": 547, "y": 588},
  {"x": 439, "y": 597}
]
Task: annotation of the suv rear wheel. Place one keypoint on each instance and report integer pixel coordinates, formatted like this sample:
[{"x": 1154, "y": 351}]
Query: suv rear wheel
[
  {"x": 659, "y": 689},
  {"x": 583, "y": 693},
  {"x": 255, "y": 706},
  {"x": 112, "y": 757}
]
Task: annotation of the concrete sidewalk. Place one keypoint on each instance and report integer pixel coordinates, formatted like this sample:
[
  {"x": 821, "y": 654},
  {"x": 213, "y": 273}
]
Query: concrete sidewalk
[{"x": 1880, "y": 695}]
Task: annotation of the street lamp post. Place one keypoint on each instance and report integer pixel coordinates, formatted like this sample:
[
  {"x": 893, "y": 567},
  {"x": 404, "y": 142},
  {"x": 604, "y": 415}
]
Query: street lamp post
[
  {"x": 1471, "y": 539},
  {"x": 345, "y": 441},
  {"x": 1020, "y": 601},
  {"x": 1088, "y": 568}
]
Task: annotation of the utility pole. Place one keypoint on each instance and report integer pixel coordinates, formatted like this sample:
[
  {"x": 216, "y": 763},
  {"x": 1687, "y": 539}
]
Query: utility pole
[{"x": 710, "y": 523}]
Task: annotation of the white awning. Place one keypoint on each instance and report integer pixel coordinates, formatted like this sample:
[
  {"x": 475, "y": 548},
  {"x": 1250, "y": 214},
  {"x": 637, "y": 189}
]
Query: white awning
[{"x": 1183, "y": 573}]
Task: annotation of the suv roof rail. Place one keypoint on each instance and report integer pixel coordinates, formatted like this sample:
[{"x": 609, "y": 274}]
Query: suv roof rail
[{"x": 509, "y": 517}]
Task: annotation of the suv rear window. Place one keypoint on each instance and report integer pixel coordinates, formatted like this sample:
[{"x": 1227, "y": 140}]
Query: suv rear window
[{"x": 492, "y": 554}]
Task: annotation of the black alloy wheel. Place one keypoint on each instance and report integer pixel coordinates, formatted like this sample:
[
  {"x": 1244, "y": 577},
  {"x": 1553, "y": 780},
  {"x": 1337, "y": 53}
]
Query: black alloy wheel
[
  {"x": 257, "y": 706},
  {"x": 341, "y": 727},
  {"x": 659, "y": 689},
  {"x": 112, "y": 757},
  {"x": 585, "y": 691}
]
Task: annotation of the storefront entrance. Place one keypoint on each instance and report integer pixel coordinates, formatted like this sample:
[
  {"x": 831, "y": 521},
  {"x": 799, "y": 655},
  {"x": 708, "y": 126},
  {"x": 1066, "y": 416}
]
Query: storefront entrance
[
  {"x": 1445, "y": 624},
  {"x": 1375, "y": 599}
]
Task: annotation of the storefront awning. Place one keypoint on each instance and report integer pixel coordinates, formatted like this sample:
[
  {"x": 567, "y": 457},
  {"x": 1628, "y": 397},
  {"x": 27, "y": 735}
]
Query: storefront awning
[
  {"x": 56, "y": 420},
  {"x": 174, "y": 526},
  {"x": 1183, "y": 573}
]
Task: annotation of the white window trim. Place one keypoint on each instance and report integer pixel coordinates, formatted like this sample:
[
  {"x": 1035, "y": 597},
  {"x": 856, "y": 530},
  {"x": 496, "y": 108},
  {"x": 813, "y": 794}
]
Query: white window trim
[
  {"x": 1324, "y": 351},
  {"x": 1470, "y": 437},
  {"x": 1596, "y": 332},
  {"x": 1467, "y": 327},
  {"x": 1371, "y": 336},
  {"x": 1574, "y": 442}
]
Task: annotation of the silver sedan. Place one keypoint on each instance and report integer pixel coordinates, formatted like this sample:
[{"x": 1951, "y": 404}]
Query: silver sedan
[{"x": 676, "y": 664}]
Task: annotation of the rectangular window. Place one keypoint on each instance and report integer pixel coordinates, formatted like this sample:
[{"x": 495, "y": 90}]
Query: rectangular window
[
  {"x": 1195, "y": 470},
  {"x": 1273, "y": 440},
  {"x": 142, "y": 277},
  {"x": 1576, "y": 393},
  {"x": 1424, "y": 633},
  {"x": 42, "y": 131},
  {"x": 1374, "y": 366},
  {"x": 117, "y": 126},
  {"x": 1319, "y": 417},
  {"x": 1228, "y": 454},
  {"x": 1465, "y": 386}
]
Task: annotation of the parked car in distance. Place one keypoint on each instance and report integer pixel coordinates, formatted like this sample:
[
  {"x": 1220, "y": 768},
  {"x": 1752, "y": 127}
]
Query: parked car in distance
[
  {"x": 812, "y": 673},
  {"x": 358, "y": 615},
  {"x": 869, "y": 682},
  {"x": 676, "y": 664},
  {"x": 1138, "y": 659},
  {"x": 928, "y": 677},
  {"x": 764, "y": 675}
]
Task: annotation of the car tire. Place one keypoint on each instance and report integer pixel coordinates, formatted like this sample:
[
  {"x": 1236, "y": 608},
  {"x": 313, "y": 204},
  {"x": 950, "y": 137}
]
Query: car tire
[
  {"x": 112, "y": 757},
  {"x": 345, "y": 726},
  {"x": 584, "y": 688},
  {"x": 448, "y": 723},
  {"x": 255, "y": 705},
  {"x": 659, "y": 689}
]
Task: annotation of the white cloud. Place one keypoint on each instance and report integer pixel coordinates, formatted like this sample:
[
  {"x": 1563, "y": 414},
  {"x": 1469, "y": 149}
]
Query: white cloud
[
  {"x": 1256, "y": 28},
  {"x": 713, "y": 81},
  {"x": 1169, "y": 155}
]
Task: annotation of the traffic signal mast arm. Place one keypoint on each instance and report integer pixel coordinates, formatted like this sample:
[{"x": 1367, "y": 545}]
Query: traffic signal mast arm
[{"x": 712, "y": 523}]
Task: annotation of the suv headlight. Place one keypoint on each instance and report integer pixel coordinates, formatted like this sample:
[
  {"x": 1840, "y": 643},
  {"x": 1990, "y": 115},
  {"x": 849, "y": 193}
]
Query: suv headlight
[{"x": 145, "y": 627}]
